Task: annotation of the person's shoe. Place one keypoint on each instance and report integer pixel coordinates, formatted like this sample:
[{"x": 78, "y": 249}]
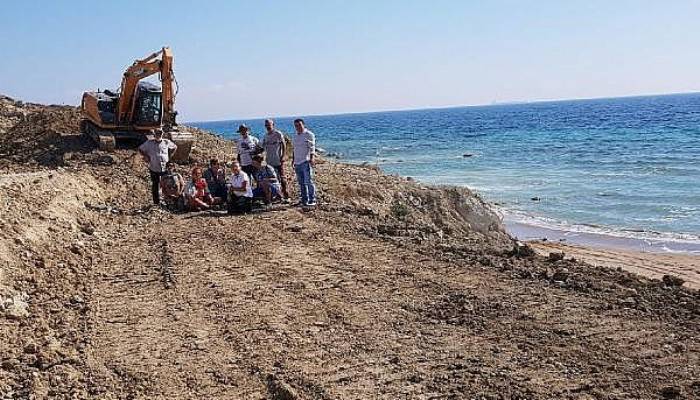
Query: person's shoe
[{"x": 311, "y": 204}]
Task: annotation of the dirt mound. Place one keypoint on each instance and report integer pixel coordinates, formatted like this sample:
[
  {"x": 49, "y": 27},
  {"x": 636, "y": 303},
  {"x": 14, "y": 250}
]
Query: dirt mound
[
  {"x": 391, "y": 206},
  {"x": 208, "y": 146},
  {"x": 32, "y": 134},
  {"x": 11, "y": 112},
  {"x": 45, "y": 233},
  {"x": 35, "y": 207},
  {"x": 36, "y": 136}
]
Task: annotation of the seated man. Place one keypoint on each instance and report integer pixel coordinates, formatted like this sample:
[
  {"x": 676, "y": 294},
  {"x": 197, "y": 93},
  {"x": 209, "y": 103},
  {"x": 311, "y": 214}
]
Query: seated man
[
  {"x": 173, "y": 186},
  {"x": 268, "y": 186},
  {"x": 240, "y": 192},
  {"x": 215, "y": 176},
  {"x": 197, "y": 192}
]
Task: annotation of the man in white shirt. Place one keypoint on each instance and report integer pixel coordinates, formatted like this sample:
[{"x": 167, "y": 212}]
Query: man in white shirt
[
  {"x": 303, "y": 159},
  {"x": 156, "y": 152},
  {"x": 240, "y": 191},
  {"x": 247, "y": 146}
]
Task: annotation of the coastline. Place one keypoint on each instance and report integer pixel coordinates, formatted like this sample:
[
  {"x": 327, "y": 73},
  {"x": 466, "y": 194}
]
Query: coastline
[
  {"x": 651, "y": 265},
  {"x": 652, "y": 256},
  {"x": 652, "y": 259},
  {"x": 387, "y": 277},
  {"x": 532, "y": 232}
]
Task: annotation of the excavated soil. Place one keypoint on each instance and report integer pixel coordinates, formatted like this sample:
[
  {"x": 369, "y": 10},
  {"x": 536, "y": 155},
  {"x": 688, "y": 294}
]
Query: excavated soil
[{"x": 390, "y": 289}]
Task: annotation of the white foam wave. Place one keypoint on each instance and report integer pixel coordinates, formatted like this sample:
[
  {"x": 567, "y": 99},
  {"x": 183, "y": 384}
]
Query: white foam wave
[{"x": 666, "y": 241}]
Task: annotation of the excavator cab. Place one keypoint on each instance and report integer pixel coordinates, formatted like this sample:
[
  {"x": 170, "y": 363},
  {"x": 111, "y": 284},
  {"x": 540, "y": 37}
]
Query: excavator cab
[{"x": 149, "y": 105}]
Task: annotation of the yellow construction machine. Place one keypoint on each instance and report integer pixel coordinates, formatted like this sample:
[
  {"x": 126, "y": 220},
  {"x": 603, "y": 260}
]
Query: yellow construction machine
[{"x": 137, "y": 108}]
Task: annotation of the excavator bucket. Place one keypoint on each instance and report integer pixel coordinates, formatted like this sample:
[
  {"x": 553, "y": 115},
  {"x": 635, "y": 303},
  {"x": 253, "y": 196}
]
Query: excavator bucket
[{"x": 184, "y": 141}]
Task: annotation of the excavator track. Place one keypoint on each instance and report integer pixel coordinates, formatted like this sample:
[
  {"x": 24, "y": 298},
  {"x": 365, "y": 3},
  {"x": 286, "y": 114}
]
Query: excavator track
[{"x": 104, "y": 139}]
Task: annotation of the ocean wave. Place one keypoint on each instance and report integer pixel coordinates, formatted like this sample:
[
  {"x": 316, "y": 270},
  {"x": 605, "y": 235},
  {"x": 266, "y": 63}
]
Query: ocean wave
[{"x": 650, "y": 237}]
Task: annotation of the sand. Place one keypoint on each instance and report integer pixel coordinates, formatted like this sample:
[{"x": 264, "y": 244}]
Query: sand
[{"x": 653, "y": 265}]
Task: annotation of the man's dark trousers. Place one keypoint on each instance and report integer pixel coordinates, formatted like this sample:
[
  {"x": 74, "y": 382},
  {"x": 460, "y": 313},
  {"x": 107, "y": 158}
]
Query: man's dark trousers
[{"x": 155, "y": 185}]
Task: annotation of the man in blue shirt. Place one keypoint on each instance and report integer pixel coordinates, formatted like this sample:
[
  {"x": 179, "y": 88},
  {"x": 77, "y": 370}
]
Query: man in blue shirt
[{"x": 268, "y": 185}]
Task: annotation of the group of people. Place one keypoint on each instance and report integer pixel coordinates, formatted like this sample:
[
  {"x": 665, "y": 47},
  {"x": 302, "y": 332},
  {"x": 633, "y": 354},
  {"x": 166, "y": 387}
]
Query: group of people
[{"x": 257, "y": 173}]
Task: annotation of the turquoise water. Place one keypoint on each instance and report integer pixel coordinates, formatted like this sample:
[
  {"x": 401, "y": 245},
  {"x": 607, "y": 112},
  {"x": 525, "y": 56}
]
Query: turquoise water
[{"x": 624, "y": 166}]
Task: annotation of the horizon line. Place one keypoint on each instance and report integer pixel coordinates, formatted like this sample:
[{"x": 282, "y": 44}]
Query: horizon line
[{"x": 427, "y": 108}]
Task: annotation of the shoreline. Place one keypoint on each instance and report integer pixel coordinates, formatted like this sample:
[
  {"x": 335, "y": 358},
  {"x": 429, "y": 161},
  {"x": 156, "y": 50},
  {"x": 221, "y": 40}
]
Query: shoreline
[
  {"x": 526, "y": 227},
  {"x": 650, "y": 265},
  {"x": 531, "y": 232},
  {"x": 643, "y": 257}
]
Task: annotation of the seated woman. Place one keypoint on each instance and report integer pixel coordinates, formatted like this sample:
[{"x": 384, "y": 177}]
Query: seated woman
[
  {"x": 240, "y": 192},
  {"x": 197, "y": 192},
  {"x": 173, "y": 186}
]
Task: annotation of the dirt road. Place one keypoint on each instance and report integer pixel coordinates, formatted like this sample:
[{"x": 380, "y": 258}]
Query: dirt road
[{"x": 211, "y": 306}]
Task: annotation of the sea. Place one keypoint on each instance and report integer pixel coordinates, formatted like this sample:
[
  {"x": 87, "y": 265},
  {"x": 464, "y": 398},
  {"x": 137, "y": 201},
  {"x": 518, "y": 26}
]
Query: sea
[{"x": 617, "y": 172}]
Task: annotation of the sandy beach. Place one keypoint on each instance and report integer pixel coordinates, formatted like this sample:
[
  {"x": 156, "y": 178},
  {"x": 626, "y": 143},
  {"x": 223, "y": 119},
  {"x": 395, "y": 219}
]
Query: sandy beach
[
  {"x": 652, "y": 265},
  {"x": 649, "y": 258}
]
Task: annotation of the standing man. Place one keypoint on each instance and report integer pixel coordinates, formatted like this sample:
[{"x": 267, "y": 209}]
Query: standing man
[
  {"x": 304, "y": 151},
  {"x": 247, "y": 147},
  {"x": 275, "y": 150},
  {"x": 156, "y": 152}
]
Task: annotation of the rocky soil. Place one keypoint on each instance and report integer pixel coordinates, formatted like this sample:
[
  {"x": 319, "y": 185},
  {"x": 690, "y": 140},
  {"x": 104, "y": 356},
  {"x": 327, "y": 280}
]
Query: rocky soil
[{"x": 390, "y": 289}]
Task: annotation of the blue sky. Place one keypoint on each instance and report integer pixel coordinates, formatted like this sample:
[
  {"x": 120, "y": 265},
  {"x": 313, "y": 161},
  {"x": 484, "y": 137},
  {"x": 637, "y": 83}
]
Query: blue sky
[{"x": 238, "y": 59}]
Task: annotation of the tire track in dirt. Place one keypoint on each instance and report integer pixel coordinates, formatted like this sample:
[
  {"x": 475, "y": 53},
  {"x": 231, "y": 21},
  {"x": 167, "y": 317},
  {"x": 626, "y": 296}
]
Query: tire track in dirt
[{"x": 285, "y": 296}]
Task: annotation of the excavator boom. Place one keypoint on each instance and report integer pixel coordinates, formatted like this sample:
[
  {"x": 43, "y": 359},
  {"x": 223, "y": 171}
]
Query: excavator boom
[{"x": 158, "y": 62}]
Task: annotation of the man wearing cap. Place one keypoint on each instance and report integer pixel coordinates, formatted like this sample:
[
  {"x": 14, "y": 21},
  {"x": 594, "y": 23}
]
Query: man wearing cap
[
  {"x": 247, "y": 146},
  {"x": 156, "y": 151},
  {"x": 275, "y": 149}
]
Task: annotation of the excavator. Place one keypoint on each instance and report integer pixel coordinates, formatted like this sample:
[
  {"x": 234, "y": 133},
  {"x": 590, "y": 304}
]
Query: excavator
[{"x": 137, "y": 108}]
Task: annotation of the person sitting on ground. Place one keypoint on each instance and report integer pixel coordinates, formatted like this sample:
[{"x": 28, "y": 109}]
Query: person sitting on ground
[
  {"x": 173, "y": 186},
  {"x": 268, "y": 186},
  {"x": 197, "y": 192},
  {"x": 240, "y": 191},
  {"x": 215, "y": 176}
]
